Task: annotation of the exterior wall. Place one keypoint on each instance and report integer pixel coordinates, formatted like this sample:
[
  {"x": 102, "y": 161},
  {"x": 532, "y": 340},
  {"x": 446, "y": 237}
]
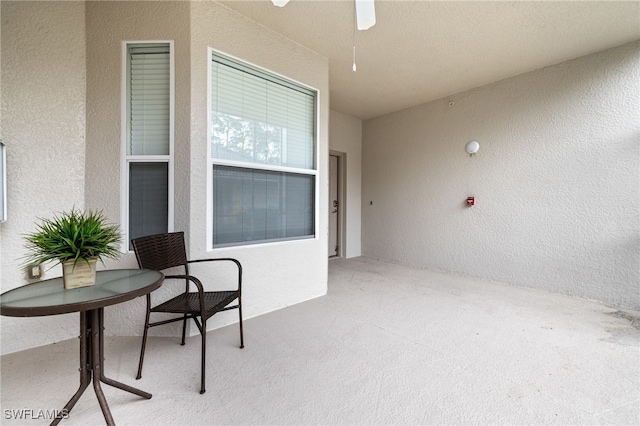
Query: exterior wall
[
  {"x": 52, "y": 103},
  {"x": 555, "y": 181},
  {"x": 279, "y": 274},
  {"x": 43, "y": 127},
  {"x": 108, "y": 25},
  {"x": 345, "y": 135}
]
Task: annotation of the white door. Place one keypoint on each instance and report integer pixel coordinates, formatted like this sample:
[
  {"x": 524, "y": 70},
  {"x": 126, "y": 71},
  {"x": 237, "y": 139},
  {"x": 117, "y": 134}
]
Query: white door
[{"x": 333, "y": 206}]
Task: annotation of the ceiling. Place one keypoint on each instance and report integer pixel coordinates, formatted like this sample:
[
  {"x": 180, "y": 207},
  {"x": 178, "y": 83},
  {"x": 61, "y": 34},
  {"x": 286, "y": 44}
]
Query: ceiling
[{"x": 419, "y": 51}]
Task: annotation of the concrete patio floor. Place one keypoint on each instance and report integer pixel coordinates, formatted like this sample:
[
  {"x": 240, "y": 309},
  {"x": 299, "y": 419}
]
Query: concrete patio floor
[{"x": 387, "y": 345}]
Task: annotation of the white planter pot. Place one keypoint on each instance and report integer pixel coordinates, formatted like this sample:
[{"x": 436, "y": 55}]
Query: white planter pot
[{"x": 81, "y": 276}]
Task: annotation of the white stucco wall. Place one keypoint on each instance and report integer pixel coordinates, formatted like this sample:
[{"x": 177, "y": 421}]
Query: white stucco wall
[
  {"x": 43, "y": 109},
  {"x": 555, "y": 181},
  {"x": 108, "y": 25},
  {"x": 280, "y": 274},
  {"x": 43, "y": 125},
  {"x": 345, "y": 136}
]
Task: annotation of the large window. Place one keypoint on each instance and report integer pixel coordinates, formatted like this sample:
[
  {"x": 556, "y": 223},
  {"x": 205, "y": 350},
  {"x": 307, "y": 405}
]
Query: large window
[
  {"x": 148, "y": 139},
  {"x": 263, "y": 155}
]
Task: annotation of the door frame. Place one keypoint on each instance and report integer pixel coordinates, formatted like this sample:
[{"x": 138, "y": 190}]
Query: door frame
[{"x": 342, "y": 204}]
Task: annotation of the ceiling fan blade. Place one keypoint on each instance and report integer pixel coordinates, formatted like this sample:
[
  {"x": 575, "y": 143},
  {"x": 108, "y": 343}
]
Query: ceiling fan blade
[
  {"x": 279, "y": 3},
  {"x": 365, "y": 14}
]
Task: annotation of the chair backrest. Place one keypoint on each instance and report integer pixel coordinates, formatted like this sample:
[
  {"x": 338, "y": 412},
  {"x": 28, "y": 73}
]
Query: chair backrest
[{"x": 160, "y": 251}]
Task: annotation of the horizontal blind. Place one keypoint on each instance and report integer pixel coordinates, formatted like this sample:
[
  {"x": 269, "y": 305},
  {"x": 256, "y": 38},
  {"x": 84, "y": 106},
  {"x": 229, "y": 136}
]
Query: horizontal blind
[
  {"x": 260, "y": 118},
  {"x": 149, "y": 100}
]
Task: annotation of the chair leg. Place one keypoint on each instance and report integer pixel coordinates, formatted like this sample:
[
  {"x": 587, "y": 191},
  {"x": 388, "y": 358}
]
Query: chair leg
[
  {"x": 240, "y": 315},
  {"x": 144, "y": 337},
  {"x": 184, "y": 328},
  {"x": 204, "y": 354}
]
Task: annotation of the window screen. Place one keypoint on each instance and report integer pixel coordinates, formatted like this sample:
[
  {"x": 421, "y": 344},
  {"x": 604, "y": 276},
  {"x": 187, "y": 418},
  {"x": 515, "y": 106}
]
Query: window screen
[
  {"x": 148, "y": 198},
  {"x": 260, "y": 205}
]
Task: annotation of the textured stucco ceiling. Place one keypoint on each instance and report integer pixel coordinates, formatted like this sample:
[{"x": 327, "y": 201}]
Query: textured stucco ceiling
[{"x": 424, "y": 50}]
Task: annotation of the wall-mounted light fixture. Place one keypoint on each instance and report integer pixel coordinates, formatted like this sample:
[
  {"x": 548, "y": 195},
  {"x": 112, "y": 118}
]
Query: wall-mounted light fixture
[{"x": 472, "y": 147}]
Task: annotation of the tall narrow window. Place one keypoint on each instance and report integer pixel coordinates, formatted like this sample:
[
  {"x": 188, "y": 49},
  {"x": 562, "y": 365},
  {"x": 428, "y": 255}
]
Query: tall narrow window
[
  {"x": 149, "y": 138},
  {"x": 263, "y": 155}
]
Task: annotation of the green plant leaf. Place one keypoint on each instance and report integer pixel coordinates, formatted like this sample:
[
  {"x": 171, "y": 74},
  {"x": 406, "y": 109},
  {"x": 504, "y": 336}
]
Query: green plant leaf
[{"x": 72, "y": 235}]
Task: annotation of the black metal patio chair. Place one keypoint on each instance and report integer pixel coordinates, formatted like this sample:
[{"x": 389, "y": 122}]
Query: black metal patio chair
[{"x": 165, "y": 251}]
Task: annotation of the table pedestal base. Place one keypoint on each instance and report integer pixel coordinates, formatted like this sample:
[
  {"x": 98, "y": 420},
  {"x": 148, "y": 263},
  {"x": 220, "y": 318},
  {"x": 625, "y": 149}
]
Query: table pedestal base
[{"x": 92, "y": 365}]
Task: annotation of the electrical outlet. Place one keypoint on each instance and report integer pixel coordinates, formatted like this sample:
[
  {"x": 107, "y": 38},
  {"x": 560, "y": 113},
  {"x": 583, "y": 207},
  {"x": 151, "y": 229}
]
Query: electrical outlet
[{"x": 34, "y": 272}]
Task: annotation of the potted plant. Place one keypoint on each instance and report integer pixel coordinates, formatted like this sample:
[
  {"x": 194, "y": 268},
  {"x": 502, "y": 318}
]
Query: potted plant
[{"x": 77, "y": 240}]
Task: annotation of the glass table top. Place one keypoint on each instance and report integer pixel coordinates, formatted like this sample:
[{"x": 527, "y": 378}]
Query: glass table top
[{"x": 49, "y": 297}]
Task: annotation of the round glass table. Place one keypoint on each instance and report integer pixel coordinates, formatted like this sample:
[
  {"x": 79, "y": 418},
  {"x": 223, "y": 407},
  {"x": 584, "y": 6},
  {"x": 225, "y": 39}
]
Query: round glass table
[{"x": 49, "y": 297}]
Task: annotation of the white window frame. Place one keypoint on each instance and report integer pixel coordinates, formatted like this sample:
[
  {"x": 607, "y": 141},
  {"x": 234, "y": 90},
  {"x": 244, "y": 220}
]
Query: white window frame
[
  {"x": 257, "y": 166},
  {"x": 128, "y": 159},
  {"x": 3, "y": 182}
]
